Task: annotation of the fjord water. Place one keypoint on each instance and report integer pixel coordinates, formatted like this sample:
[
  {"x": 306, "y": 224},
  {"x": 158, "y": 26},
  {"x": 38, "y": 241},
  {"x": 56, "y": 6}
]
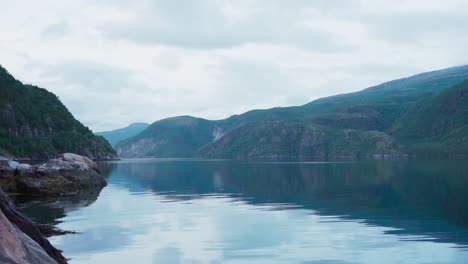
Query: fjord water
[{"x": 201, "y": 211}]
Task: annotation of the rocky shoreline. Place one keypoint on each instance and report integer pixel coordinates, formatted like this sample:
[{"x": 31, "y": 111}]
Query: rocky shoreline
[
  {"x": 68, "y": 174},
  {"x": 22, "y": 240}
]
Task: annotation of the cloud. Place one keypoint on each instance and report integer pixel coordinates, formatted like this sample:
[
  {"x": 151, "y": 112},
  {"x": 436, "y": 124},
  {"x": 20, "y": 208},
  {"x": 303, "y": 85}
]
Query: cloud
[
  {"x": 56, "y": 30},
  {"x": 117, "y": 62},
  {"x": 89, "y": 75},
  {"x": 209, "y": 24}
]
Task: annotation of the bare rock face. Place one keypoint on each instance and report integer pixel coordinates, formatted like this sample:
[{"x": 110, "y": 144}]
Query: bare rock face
[
  {"x": 68, "y": 174},
  {"x": 17, "y": 247},
  {"x": 21, "y": 241}
]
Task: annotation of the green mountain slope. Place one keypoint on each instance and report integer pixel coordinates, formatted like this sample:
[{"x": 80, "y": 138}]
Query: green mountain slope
[
  {"x": 117, "y": 135},
  {"x": 437, "y": 124},
  {"x": 173, "y": 137},
  {"x": 35, "y": 124},
  {"x": 354, "y": 124},
  {"x": 298, "y": 140}
]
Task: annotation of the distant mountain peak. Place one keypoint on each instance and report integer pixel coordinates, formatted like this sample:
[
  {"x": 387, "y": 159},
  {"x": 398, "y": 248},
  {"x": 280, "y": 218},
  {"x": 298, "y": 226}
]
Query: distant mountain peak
[{"x": 118, "y": 135}]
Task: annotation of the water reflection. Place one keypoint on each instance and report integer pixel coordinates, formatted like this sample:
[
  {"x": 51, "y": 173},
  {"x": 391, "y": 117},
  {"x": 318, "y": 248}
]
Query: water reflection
[
  {"x": 397, "y": 194},
  {"x": 189, "y": 211},
  {"x": 49, "y": 210}
]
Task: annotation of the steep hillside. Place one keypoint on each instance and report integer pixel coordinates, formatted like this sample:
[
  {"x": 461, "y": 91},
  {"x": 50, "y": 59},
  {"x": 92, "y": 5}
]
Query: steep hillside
[
  {"x": 437, "y": 124},
  {"x": 35, "y": 124},
  {"x": 299, "y": 140},
  {"x": 117, "y": 135},
  {"x": 344, "y": 121}
]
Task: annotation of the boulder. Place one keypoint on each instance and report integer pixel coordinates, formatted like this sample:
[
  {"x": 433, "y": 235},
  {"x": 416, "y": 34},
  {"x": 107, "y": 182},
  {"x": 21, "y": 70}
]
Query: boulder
[
  {"x": 8, "y": 163},
  {"x": 13, "y": 164},
  {"x": 68, "y": 174},
  {"x": 23, "y": 170},
  {"x": 70, "y": 157}
]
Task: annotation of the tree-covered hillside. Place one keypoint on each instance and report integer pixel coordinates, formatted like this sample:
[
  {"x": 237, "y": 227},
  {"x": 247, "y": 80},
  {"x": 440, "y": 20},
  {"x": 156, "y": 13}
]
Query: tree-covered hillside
[
  {"x": 437, "y": 124},
  {"x": 298, "y": 140},
  {"x": 35, "y": 124}
]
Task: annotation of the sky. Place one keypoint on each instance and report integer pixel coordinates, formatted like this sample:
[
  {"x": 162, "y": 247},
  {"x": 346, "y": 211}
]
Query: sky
[{"x": 115, "y": 62}]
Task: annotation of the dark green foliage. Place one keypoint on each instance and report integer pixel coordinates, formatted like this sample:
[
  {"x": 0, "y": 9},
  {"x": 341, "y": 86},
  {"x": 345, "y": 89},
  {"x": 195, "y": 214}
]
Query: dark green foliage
[
  {"x": 35, "y": 124},
  {"x": 437, "y": 123}
]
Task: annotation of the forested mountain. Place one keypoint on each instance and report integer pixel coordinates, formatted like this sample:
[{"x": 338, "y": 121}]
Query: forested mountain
[
  {"x": 437, "y": 124},
  {"x": 380, "y": 120},
  {"x": 34, "y": 124},
  {"x": 173, "y": 137}
]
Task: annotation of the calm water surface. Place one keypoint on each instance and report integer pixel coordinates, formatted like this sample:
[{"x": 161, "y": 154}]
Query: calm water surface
[{"x": 189, "y": 211}]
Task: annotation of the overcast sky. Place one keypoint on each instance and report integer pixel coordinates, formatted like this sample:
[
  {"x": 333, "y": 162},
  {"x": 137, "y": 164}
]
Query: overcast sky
[{"x": 114, "y": 62}]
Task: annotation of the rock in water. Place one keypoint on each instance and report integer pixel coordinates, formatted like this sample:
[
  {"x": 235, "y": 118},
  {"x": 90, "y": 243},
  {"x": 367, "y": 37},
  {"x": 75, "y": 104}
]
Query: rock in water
[
  {"x": 21, "y": 241},
  {"x": 68, "y": 174}
]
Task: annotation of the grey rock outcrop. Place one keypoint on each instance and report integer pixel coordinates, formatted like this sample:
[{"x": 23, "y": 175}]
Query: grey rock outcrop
[{"x": 68, "y": 174}]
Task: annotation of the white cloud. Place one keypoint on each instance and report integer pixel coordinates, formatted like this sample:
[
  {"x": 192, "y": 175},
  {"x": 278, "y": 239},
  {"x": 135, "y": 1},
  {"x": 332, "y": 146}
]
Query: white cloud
[{"x": 116, "y": 62}]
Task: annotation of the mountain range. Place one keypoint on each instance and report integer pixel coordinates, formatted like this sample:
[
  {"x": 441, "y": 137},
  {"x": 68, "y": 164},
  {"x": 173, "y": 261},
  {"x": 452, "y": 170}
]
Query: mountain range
[{"x": 424, "y": 115}]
